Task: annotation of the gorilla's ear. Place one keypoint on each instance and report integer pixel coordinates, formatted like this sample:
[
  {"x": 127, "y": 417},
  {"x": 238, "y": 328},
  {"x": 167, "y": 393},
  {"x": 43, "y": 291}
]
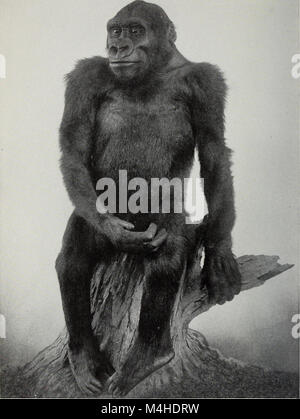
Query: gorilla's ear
[{"x": 172, "y": 36}]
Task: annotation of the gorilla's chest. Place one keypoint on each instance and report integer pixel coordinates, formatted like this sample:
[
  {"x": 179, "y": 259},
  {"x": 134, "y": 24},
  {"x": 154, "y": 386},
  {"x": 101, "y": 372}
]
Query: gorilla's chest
[{"x": 144, "y": 136}]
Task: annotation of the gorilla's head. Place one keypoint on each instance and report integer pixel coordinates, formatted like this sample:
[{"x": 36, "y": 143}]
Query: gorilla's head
[{"x": 140, "y": 40}]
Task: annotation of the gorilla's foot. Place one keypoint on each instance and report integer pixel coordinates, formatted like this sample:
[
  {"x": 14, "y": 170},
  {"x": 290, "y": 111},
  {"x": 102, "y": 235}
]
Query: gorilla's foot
[
  {"x": 90, "y": 368},
  {"x": 142, "y": 361}
]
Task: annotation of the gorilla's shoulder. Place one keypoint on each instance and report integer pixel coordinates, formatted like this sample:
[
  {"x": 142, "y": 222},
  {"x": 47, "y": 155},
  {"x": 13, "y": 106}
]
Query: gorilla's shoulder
[
  {"x": 208, "y": 77},
  {"x": 90, "y": 75}
]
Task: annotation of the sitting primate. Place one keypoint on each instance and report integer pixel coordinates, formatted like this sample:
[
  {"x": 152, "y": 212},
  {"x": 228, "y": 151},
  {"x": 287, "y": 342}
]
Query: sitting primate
[{"x": 143, "y": 109}]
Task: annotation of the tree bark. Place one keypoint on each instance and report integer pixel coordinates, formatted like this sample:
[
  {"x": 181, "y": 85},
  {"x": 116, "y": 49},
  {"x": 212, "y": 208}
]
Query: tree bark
[{"x": 197, "y": 370}]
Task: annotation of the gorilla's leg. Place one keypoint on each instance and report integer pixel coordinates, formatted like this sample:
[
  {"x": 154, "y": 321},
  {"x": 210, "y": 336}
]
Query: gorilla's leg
[
  {"x": 153, "y": 346},
  {"x": 75, "y": 264}
]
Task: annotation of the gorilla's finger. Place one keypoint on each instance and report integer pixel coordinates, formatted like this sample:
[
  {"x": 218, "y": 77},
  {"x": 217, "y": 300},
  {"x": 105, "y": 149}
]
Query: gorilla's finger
[
  {"x": 229, "y": 294},
  {"x": 234, "y": 279},
  {"x": 158, "y": 239},
  {"x": 94, "y": 386},
  {"x": 236, "y": 283},
  {"x": 235, "y": 268},
  {"x": 221, "y": 301},
  {"x": 237, "y": 289},
  {"x": 109, "y": 385},
  {"x": 238, "y": 278},
  {"x": 96, "y": 383},
  {"x": 116, "y": 392},
  {"x": 151, "y": 231},
  {"x": 227, "y": 269},
  {"x": 86, "y": 390},
  {"x": 231, "y": 297},
  {"x": 226, "y": 289},
  {"x": 212, "y": 298},
  {"x": 136, "y": 238},
  {"x": 125, "y": 224},
  {"x": 218, "y": 292},
  {"x": 213, "y": 293},
  {"x": 92, "y": 389}
]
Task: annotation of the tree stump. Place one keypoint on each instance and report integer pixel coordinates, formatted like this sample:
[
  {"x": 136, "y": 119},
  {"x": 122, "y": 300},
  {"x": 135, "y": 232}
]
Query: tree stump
[{"x": 196, "y": 370}]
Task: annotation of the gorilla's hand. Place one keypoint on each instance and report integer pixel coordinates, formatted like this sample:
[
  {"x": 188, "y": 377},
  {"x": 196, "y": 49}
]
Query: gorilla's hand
[
  {"x": 120, "y": 234},
  {"x": 221, "y": 275}
]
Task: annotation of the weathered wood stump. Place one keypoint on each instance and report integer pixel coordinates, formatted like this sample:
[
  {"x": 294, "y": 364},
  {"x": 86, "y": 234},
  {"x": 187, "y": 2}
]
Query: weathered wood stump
[{"x": 196, "y": 371}]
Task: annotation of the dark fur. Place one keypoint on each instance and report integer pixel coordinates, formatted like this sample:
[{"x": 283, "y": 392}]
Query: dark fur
[{"x": 149, "y": 127}]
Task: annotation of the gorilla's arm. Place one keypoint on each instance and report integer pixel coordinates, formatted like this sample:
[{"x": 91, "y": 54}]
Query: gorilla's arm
[
  {"x": 220, "y": 269},
  {"x": 218, "y": 189},
  {"x": 76, "y": 136}
]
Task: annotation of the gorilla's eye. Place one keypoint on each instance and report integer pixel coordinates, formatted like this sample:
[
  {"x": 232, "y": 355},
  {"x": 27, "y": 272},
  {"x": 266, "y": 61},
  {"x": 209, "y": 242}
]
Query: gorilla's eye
[
  {"x": 115, "y": 31},
  {"x": 137, "y": 30}
]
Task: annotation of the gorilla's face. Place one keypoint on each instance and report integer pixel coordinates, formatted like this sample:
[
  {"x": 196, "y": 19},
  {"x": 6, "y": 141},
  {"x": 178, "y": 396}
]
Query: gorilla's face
[
  {"x": 138, "y": 41},
  {"x": 130, "y": 44}
]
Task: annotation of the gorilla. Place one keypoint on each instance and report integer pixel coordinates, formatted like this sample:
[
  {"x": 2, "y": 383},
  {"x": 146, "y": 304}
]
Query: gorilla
[{"x": 143, "y": 109}]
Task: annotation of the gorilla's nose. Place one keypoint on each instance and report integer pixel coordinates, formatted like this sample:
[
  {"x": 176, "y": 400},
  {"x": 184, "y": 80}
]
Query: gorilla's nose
[{"x": 121, "y": 50}]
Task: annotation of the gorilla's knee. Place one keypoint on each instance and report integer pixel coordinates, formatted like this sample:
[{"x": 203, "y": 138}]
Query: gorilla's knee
[{"x": 74, "y": 267}]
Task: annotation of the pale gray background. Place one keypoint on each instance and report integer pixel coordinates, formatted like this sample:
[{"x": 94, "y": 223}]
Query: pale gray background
[{"x": 253, "y": 42}]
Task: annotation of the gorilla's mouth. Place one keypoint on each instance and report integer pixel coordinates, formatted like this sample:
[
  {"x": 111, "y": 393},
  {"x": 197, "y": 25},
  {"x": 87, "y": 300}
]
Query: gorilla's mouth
[{"x": 122, "y": 63}]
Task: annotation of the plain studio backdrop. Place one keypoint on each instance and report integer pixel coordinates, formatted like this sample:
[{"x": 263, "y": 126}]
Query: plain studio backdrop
[{"x": 253, "y": 42}]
